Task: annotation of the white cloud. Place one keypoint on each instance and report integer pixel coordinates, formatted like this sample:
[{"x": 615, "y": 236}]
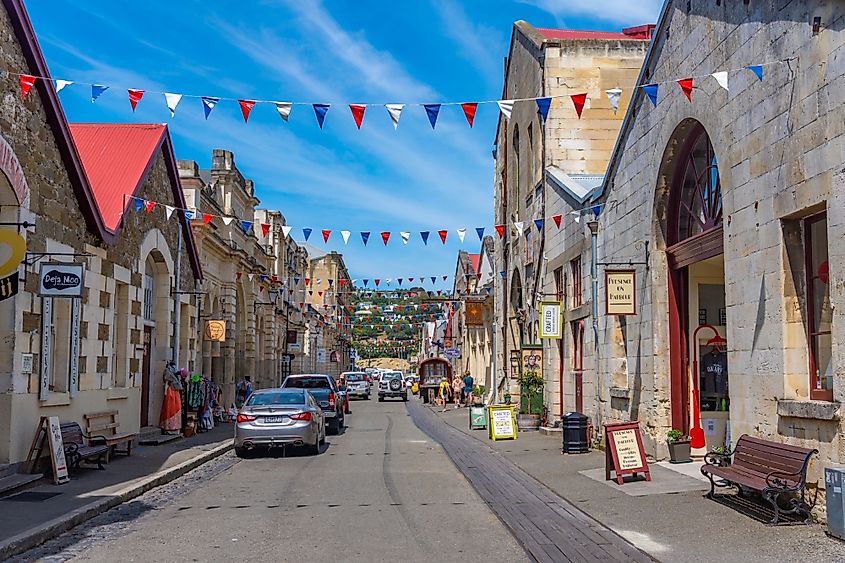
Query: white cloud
[
  {"x": 478, "y": 44},
  {"x": 624, "y": 12}
]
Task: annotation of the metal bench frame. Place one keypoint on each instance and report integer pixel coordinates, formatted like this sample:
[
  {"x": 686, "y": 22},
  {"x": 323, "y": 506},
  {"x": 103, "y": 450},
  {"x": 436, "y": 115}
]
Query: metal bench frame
[{"x": 74, "y": 456}]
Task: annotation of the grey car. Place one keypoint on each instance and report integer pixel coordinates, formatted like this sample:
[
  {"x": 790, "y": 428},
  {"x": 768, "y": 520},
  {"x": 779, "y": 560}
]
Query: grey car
[
  {"x": 280, "y": 417},
  {"x": 356, "y": 384}
]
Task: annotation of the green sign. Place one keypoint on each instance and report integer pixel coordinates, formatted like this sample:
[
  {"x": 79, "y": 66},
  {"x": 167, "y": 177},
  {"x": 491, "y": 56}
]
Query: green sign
[{"x": 477, "y": 418}]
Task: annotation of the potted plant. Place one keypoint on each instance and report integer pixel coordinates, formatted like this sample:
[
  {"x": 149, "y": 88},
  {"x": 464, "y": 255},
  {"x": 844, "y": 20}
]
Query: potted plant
[
  {"x": 478, "y": 395},
  {"x": 679, "y": 446},
  {"x": 530, "y": 386}
]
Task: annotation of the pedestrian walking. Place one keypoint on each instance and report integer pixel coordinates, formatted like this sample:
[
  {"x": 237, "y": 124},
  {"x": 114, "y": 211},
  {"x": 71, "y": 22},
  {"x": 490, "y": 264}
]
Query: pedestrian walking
[
  {"x": 457, "y": 391},
  {"x": 444, "y": 393},
  {"x": 468, "y": 382}
]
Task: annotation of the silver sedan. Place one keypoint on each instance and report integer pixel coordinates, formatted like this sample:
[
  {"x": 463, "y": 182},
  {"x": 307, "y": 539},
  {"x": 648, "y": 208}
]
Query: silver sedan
[{"x": 280, "y": 417}]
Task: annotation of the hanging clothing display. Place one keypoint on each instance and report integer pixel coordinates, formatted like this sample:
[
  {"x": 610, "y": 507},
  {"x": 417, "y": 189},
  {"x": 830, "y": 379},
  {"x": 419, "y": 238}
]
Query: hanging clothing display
[{"x": 171, "y": 406}]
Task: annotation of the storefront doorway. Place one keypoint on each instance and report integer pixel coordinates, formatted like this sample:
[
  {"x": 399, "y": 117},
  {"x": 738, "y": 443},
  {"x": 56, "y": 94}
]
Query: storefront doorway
[{"x": 697, "y": 310}]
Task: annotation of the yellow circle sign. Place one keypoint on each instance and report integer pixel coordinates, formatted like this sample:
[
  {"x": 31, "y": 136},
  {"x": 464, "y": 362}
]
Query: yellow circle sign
[{"x": 12, "y": 251}]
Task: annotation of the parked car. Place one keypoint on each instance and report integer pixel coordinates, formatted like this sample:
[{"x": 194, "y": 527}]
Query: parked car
[
  {"x": 325, "y": 391},
  {"x": 357, "y": 384},
  {"x": 391, "y": 384},
  {"x": 280, "y": 417}
]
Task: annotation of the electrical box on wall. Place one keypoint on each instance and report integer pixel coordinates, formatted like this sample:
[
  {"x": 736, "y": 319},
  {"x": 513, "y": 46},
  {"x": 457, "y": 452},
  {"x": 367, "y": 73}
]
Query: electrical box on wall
[{"x": 834, "y": 478}]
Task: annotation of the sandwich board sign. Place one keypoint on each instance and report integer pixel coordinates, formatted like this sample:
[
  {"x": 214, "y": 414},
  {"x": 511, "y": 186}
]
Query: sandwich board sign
[
  {"x": 501, "y": 422},
  {"x": 624, "y": 454}
]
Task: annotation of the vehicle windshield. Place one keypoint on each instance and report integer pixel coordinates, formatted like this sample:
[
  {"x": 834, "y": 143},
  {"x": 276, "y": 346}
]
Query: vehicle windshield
[
  {"x": 279, "y": 398},
  {"x": 308, "y": 383},
  {"x": 354, "y": 377}
]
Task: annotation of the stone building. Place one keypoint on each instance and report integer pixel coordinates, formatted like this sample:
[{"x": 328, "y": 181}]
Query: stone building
[
  {"x": 544, "y": 173},
  {"x": 105, "y": 349},
  {"x": 329, "y": 296},
  {"x": 731, "y": 199}
]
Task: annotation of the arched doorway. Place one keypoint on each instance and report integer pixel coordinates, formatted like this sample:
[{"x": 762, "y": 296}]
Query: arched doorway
[
  {"x": 697, "y": 311},
  {"x": 156, "y": 307}
]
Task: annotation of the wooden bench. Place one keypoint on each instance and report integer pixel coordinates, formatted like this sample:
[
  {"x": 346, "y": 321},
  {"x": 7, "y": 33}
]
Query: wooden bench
[
  {"x": 769, "y": 468},
  {"x": 102, "y": 427},
  {"x": 77, "y": 451}
]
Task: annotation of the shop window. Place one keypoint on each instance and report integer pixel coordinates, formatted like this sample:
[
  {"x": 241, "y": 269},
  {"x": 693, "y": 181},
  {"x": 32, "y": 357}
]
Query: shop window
[
  {"x": 560, "y": 284},
  {"x": 120, "y": 358},
  {"x": 575, "y": 271},
  {"x": 149, "y": 297},
  {"x": 819, "y": 311},
  {"x": 60, "y": 342}
]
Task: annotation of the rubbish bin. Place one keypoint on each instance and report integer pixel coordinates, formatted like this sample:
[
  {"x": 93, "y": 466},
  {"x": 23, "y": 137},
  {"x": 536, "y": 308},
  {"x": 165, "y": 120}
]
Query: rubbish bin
[{"x": 575, "y": 433}]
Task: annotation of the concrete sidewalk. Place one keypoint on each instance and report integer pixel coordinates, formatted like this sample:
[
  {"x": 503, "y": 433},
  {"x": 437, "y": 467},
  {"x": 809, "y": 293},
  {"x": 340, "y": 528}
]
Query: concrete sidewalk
[
  {"x": 668, "y": 518},
  {"x": 28, "y": 521}
]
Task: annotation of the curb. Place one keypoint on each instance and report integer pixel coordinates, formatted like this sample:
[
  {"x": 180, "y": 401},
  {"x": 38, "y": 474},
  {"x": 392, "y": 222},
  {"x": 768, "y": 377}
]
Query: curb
[{"x": 34, "y": 537}]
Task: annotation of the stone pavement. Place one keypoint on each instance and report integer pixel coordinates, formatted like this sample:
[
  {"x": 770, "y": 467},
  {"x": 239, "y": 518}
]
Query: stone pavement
[
  {"x": 669, "y": 518},
  {"x": 26, "y": 522},
  {"x": 548, "y": 527}
]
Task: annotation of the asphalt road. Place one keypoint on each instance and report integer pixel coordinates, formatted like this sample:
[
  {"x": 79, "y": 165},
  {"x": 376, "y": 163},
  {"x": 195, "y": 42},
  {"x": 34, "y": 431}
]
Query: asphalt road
[{"x": 382, "y": 491}]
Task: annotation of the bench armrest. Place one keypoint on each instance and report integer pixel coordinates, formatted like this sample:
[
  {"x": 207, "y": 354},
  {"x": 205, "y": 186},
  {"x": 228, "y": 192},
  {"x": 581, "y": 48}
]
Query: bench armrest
[
  {"x": 71, "y": 448},
  {"x": 715, "y": 458},
  {"x": 774, "y": 480},
  {"x": 97, "y": 439}
]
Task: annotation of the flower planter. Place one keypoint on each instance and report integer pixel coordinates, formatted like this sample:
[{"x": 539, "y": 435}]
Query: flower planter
[
  {"x": 679, "y": 451},
  {"x": 528, "y": 421}
]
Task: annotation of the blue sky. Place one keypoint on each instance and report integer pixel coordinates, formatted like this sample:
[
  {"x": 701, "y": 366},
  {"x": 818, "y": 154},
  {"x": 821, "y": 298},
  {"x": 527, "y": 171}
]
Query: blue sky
[{"x": 376, "y": 179}]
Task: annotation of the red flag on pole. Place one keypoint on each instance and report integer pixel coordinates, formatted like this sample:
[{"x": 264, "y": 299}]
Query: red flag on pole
[
  {"x": 326, "y": 234},
  {"x": 246, "y": 107},
  {"x": 357, "y": 113},
  {"x": 686, "y": 86},
  {"x": 557, "y": 219},
  {"x": 135, "y": 97},
  {"x": 443, "y": 234},
  {"x": 27, "y": 81},
  {"x": 501, "y": 230},
  {"x": 469, "y": 111},
  {"x": 385, "y": 236},
  {"x": 579, "y": 100}
]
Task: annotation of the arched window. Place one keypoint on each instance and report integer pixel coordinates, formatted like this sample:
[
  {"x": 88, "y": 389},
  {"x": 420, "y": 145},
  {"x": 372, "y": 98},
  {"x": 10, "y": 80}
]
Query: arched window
[{"x": 696, "y": 202}]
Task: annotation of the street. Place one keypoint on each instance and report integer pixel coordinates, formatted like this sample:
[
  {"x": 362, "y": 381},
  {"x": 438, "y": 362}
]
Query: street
[{"x": 381, "y": 491}]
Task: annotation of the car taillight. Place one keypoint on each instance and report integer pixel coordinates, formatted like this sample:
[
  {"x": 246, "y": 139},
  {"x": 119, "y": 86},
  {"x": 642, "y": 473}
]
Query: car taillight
[
  {"x": 331, "y": 400},
  {"x": 306, "y": 416},
  {"x": 245, "y": 417}
]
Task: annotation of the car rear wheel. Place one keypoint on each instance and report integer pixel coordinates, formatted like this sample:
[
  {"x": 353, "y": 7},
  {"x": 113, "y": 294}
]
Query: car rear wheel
[
  {"x": 315, "y": 448},
  {"x": 381, "y": 399},
  {"x": 241, "y": 452}
]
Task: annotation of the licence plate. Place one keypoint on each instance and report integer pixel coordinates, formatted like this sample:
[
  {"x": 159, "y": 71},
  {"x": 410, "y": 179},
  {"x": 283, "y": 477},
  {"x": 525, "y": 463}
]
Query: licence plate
[{"x": 276, "y": 419}]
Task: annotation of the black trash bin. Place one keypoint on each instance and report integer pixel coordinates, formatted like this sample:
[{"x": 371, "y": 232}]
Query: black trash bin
[{"x": 575, "y": 433}]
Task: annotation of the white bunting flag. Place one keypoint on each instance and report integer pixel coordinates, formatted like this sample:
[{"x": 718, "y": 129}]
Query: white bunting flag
[
  {"x": 250, "y": 276},
  {"x": 60, "y": 84},
  {"x": 577, "y": 215},
  {"x": 395, "y": 111},
  {"x": 345, "y": 235},
  {"x": 286, "y": 230},
  {"x": 520, "y": 225},
  {"x": 284, "y": 109},
  {"x": 461, "y": 234},
  {"x": 613, "y": 96},
  {"x": 172, "y": 101},
  {"x": 722, "y": 78},
  {"x": 406, "y": 236},
  {"x": 228, "y": 220},
  {"x": 506, "y": 107},
  {"x": 168, "y": 211}
]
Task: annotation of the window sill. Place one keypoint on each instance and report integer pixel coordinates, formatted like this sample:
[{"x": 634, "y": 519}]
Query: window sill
[
  {"x": 56, "y": 399},
  {"x": 116, "y": 394},
  {"x": 817, "y": 410},
  {"x": 620, "y": 393}
]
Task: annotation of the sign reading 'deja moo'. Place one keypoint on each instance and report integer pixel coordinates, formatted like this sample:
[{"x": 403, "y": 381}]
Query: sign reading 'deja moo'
[{"x": 61, "y": 280}]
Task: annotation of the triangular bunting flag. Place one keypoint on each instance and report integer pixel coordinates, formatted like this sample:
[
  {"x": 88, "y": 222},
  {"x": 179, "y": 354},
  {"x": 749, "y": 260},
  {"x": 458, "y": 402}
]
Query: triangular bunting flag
[
  {"x": 238, "y": 275},
  {"x": 503, "y": 274},
  {"x": 246, "y": 107},
  {"x": 480, "y": 232},
  {"x": 756, "y": 69},
  {"x": 377, "y": 280},
  {"x": 168, "y": 211},
  {"x": 358, "y": 113},
  {"x": 613, "y": 96},
  {"x": 651, "y": 91},
  {"x": 539, "y": 224},
  {"x": 284, "y": 109},
  {"x": 686, "y": 87},
  {"x": 139, "y": 204},
  {"x": 206, "y": 218},
  {"x": 97, "y": 91},
  {"x": 461, "y": 234},
  {"x": 506, "y": 107},
  {"x": 320, "y": 110},
  {"x": 265, "y": 229},
  {"x": 149, "y": 206},
  {"x": 443, "y": 234},
  {"x": 172, "y": 100},
  {"x": 432, "y": 111},
  {"x": 135, "y": 97},
  {"x": 26, "y": 81},
  {"x": 286, "y": 229},
  {"x": 208, "y": 104},
  {"x": 306, "y": 232},
  {"x": 246, "y": 226},
  {"x": 469, "y": 111},
  {"x": 228, "y": 220},
  {"x": 385, "y": 236},
  {"x": 433, "y": 280},
  {"x": 326, "y": 234},
  {"x": 543, "y": 105},
  {"x": 399, "y": 280},
  {"x": 578, "y": 100},
  {"x": 406, "y": 236},
  {"x": 557, "y": 219},
  {"x": 424, "y": 236},
  {"x": 395, "y": 112},
  {"x": 722, "y": 78},
  {"x": 345, "y": 235},
  {"x": 520, "y": 226},
  {"x": 365, "y": 236},
  {"x": 500, "y": 229},
  {"x": 60, "y": 84},
  {"x": 188, "y": 214}
]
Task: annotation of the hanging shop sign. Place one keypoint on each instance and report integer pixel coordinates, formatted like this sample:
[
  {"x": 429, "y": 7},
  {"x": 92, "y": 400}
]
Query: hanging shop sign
[
  {"x": 474, "y": 313},
  {"x": 215, "y": 330},
  {"x": 13, "y": 248},
  {"x": 532, "y": 358},
  {"x": 501, "y": 422},
  {"x": 73, "y": 368},
  {"x": 61, "y": 280},
  {"x": 551, "y": 319},
  {"x": 624, "y": 453},
  {"x": 9, "y": 286},
  {"x": 46, "y": 359},
  {"x": 620, "y": 292},
  {"x": 452, "y": 353}
]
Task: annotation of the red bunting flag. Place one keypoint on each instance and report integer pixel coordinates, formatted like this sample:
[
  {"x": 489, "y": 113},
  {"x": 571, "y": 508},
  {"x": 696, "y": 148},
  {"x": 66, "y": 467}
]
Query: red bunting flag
[
  {"x": 377, "y": 280},
  {"x": 206, "y": 218},
  {"x": 579, "y": 100},
  {"x": 246, "y": 107},
  {"x": 443, "y": 234},
  {"x": 686, "y": 86},
  {"x": 326, "y": 234},
  {"x": 27, "y": 81},
  {"x": 135, "y": 97},
  {"x": 238, "y": 275},
  {"x": 307, "y": 282},
  {"x": 265, "y": 229},
  {"x": 469, "y": 111},
  {"x": 342, "y": 282},
  {"x": 149, "y": 206},
  {"x": 557, "y": 219},
  {"x": 501, "y": 230},
  {"x": 385, "y": 236},
  {"x": 411, "y": 279},
  {"x": 357, "y": 113}
]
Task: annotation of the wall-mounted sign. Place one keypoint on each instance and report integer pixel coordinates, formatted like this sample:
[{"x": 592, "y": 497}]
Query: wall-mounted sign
[
  {"x": 215, "y": 330},
  {"x": 9, "y": 286},
  {"x": 15, "y": 254},
  {"x": 551, "y": 319},
  {"x": 61, "y": 280},
  {"x": 474, "y": 313},
  {"x": 321, "y": 354},
  {"x": 294, "y": 347},
  {"x": 46, "y": 348},
  {"x": 26, "y": 363},
  {"x": 620, "y": 292},
  {"x": 73, "y": 368},
  {"x": 624, "y": 454},
  {"x": 501, "y": 423},
  {"x": 532, "y": 359},
  {"x": 452, "y": 353}
]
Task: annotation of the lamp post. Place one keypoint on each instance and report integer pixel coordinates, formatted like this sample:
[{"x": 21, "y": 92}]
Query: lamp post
[{"x": 594, "y": 277}]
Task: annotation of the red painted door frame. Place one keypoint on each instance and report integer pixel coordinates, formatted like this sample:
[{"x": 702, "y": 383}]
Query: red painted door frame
[{"x": 679, "y": 348}]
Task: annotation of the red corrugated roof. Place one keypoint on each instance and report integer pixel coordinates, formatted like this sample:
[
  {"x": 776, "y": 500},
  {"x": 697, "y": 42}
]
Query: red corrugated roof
[
  {"x": 476, "y": 260},
  {"x": 640, "y": 32},
  {"x": 116, "y": 158}
]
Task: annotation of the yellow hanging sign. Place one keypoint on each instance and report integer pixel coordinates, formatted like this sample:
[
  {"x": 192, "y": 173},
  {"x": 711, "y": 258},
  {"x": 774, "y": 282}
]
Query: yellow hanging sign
[{"x": 12, "y": 251}]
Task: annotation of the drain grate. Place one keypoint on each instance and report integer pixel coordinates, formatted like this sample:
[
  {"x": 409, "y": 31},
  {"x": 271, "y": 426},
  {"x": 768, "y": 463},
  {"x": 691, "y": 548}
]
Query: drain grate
[{"x": 31, "y": 496}]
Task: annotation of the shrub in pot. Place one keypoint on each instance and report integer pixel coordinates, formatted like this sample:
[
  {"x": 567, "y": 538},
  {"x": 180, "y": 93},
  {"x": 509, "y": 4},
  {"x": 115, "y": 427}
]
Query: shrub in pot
[
  {"x": 530, "y": 386},
  {"x": 478, "y": 395},
  {"x": 679, "y": 446}
]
